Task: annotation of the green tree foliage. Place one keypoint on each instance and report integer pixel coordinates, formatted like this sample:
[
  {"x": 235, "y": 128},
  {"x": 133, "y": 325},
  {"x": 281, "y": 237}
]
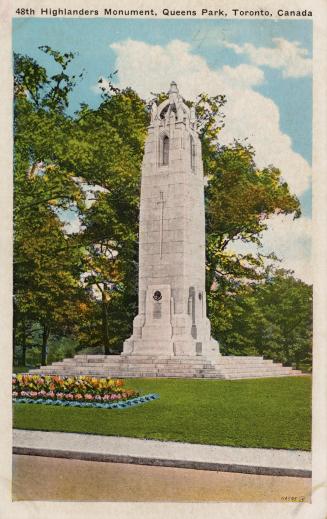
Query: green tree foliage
[
  {"x": 271, "y": 318},
  {"x": 32, "y": 82},
  {"x": 106, "y": 145},
  {"x": 239, "y": 200},
  {"x": 47, "y": 263}
]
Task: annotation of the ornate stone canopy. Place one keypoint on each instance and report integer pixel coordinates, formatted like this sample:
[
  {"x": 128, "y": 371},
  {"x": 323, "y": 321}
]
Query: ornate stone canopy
[{"x": 174, "y": 107}]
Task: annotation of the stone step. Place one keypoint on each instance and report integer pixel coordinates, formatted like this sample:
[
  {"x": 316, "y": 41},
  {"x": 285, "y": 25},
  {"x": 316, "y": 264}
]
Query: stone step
[
  {"x": 239, "y": 357},
  {"x": 183, "y": 374},
  {"x": 239, "y": 373},
  {"x": 155, "y": 370},
  {"x": 249, "y": 368},
  {"x": 243, "y": 362},
  {"x": 228, "y": 365},
  {"x": 136, "y": 357},
  {"x": 258, "y": 375},
  {"x": 252, "y": 368},
  {"x": 254, "y": 362},
  {"x": 158, "y": 363},
  {"x": 133, "y": 369},
  {"x": 164, "y": 366},
  {"x": 97, "y": 357},
  {"x": 137, "y": 366},
  {"x": 139, "y": 363},
  {"x": 188, "y": 365},
  {"x": 134, "y": 375},
  {"x": 163, "y": 358},
  {"x": 124, "y": 369},
  {"x": 135, "y": 360}
]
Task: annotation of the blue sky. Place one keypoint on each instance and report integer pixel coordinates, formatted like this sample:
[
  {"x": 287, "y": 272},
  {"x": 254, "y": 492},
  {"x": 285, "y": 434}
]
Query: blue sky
[{"x": 263, "y": 64}]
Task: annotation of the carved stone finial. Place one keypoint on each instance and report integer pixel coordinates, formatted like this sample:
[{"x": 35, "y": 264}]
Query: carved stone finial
[
  {"x": 173, "y": 88},
  {"x": 154, "y": 111},
  {"x": 173, "y": 93},
  {"x": 180, "y": 112},
  {"x": 192, "y": 114}
]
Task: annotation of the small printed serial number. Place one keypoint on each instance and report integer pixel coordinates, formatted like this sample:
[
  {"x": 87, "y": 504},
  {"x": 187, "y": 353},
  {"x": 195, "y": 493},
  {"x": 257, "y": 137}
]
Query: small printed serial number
[{"x": 293, "y": 499}]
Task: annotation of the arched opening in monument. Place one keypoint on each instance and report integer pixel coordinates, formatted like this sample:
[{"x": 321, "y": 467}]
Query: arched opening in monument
[{"x": 165, "y": 150}]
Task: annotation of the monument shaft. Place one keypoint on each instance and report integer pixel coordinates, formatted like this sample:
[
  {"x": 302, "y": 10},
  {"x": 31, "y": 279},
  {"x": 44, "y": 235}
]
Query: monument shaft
[{"x": 172, "y": 317}]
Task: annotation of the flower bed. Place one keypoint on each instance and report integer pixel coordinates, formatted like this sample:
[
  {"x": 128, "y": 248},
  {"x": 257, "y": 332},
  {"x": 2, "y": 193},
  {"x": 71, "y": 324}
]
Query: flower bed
[{"x": 82, "y": 391}]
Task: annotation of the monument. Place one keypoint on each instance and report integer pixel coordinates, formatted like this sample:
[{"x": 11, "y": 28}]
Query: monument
[
  {"x": 171, "y": 332},
  {"x": 172, "y": 318}
]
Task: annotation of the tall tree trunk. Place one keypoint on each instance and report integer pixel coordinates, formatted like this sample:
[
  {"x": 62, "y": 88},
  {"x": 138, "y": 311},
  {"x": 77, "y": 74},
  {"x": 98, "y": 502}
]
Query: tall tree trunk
[
  {"x": 23, "y": 357},
  {"x": 105, "y": 324},
  {"x": 14, "y": 335},
  {"x": 45, "y": 337}
]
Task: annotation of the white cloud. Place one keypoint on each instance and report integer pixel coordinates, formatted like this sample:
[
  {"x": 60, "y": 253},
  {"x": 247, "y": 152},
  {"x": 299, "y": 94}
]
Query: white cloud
[
  {"x": 91, "y": 193},
  {"x": 286, "y": 55},
  {"x": 150, "y": 68},
  {"x": 243, "y": 75},
  {"x": 290, "y": 240},
  {"x": 249, "y": 114},
  {"x": 69, "y": 217},
  {"x": 72, "y": 225}
]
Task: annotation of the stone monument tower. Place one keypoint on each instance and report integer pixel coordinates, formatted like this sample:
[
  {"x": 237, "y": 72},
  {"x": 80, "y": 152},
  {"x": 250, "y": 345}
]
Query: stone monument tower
[
  {"x": 171, "y": 333},
  {"x": 172, "y": 317}
]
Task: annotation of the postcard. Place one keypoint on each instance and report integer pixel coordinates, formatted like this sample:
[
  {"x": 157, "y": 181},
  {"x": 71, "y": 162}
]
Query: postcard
[{"x": 164, "y": 248}]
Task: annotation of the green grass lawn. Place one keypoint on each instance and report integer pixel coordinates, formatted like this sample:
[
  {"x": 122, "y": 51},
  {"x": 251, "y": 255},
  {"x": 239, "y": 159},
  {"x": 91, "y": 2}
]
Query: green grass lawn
[{"x": 270, "y": 413}]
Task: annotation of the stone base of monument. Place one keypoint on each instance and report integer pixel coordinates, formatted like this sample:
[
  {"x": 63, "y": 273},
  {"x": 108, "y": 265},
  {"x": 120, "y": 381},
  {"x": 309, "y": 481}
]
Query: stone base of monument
[{"x": 167, "y": 366}]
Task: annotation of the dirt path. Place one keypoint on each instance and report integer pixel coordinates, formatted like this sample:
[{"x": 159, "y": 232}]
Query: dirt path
[{"x": 74, "y": 480}]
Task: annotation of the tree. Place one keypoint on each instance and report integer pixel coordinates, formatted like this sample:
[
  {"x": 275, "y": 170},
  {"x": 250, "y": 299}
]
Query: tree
[
  {"x": 31, "y": 81},
  {"x": 271, "y": 318},
  {"x": 47, "y": 263},
  {"x": 46, "y": 278},
  {"x": 110, "y": 157},
  {"x": 240, "y": 199},
  {"x": 287, "y": 307}
]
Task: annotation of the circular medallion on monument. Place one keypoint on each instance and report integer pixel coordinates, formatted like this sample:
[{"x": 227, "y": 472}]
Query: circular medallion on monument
[{"x": 157, "y": 295}]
